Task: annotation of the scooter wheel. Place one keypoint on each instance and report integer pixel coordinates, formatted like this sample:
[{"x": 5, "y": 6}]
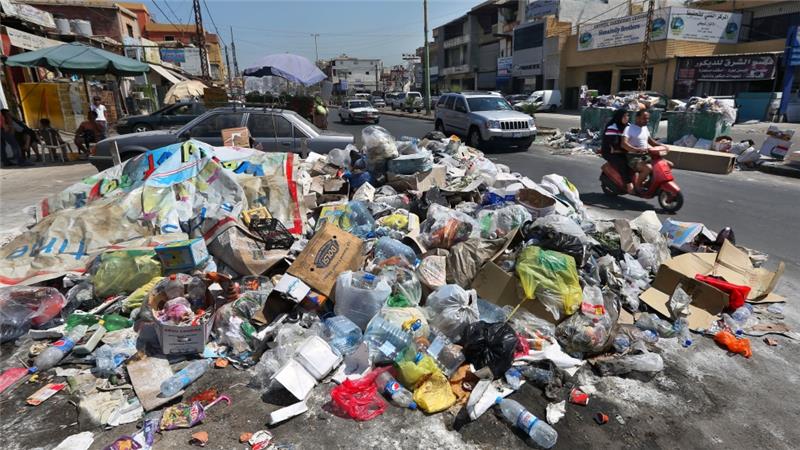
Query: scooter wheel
[
  {"x": 608, "y": 186},
  {"x": 668, "y": 205}
]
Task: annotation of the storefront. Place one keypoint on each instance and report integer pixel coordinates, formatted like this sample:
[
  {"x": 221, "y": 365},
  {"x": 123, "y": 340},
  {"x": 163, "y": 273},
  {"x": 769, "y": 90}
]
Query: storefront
[{"x": 725, "y": 75}]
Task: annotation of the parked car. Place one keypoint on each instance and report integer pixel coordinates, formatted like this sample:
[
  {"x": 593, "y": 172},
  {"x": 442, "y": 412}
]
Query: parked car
[
  {"x": 277, "y": 130},
  {"x": 362, "y": 96},
  {"x": 358, "y": 111},
  {"x": 170, "y": 116},
  {"x": 549, "y": 100},
  {"x": 662, "y": 102},
  {"x": 516, "y": 98},
  {"x": 484, "y": 118},
  {"x": 378, "y": 101}
]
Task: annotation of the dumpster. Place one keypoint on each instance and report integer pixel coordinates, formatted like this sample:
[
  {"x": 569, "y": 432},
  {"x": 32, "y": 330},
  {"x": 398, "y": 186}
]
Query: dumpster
[
  {"x": 706, "y": 125},
  {"x": 595, "y": 119}
]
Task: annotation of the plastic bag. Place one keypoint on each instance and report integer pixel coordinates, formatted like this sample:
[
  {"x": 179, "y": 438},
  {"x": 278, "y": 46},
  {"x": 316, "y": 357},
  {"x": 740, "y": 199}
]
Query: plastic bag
[
  {"x": 359, "y": 296},
  {"x": 23, "y": 307},
  {"x": 466, "y": 258},
  {"x": 567, "y": 190},
  {"x": 679, "y": 303},
  {"x": 412, "y": 320},
  {"x": 339, "y": 157},
  {"x": 124, "y": 271},
  {"x": 139, "y": 296},
  {"x": 727, "y": 340},
  {"x": 550, "y": 277},
  {"x": 490, "y": 345},
  {"x": 452, "y": 309},
  {"x": 360, "y": 398},
  {"x": 632, "y": 269},
  {"x": 560, "y": 233},
  {"x": 445, "y": 227},
  {"x": 589, "y": 330},
  {"x": 434, "y": 394},
  {"x": 648, "y": 258},
  {"x": 496, "y": 223},
  {"x": 228, "y": 329},
  {"x": 483, "y": 168},
  {"x": 406, "y": 288},
  {"x": 357, "y": 219},
  {"x": 379, "y": 143},
  {"x": 391, "y": 252},
  {"x": 414, "y": 367}
]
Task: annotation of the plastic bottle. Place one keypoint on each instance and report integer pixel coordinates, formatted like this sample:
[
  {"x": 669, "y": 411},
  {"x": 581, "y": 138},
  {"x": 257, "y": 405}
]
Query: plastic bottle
[
  {"x": 735, "y": 326},
  {"x": 358, "y": 220},
  {"x": 514, "y": 378},
  {"x": 109, "y": 357},
  {"x": 538, "y": 376},
  {"x": 644, "y": 363},
  {"x": 76, "y": 319},
  {"x": 446, "y": 355},
  {"x": 542, "y": 434},
  {"x": 345, "y": 336},
  {"x": 652, "y": 322},
  {"x": 385, "y": 338},
  {"x": 684, "y": 337},
  {"x": 184, "y": 377},
  {"x": 174, "y": 287},
  {"x": 621, "y": 343},
  {"x": 400, "y": 396},
  {"x": 114, "y": 322},
  {"x": 53, "y": 354},
  {"x": 391, "y": 249}
]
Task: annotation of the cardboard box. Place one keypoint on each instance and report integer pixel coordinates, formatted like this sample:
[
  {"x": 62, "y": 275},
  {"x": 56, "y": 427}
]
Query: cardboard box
[
  {"x": 422, "y": 181},
  {"x": 537, "y": 203},
  {"x": 503, "y": 288},
  {"x": 330, "y": 252},
  {"x": 236, "y": 137},
  {"x": 730, "y": 263},
  {"x": 182, "y": 339},
  {"x": 183, "y": 255},
  {"x": 701, "y": 160}
]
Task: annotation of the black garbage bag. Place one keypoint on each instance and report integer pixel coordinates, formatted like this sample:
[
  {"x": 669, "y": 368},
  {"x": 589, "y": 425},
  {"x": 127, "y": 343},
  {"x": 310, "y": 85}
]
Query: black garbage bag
[{"x": 490, "y": 345}]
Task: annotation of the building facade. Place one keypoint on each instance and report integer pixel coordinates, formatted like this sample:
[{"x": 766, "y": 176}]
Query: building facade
[{"x": 356, "y": 74}]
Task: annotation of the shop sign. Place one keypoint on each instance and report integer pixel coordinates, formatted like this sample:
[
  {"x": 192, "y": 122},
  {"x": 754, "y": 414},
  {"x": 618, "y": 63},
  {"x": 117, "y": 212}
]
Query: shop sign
[
  {"x": 28, "y": 13},
  {"x": 27, "y": 41},
  {"x": 727, "y": 68},
  {"x": 541, "y": 8},
  {"x": 504, "y": 65},
  {"x": 704, "y": 26},
  {"x": 622, "y": 31},
  {"x": 172, "y": 55}
]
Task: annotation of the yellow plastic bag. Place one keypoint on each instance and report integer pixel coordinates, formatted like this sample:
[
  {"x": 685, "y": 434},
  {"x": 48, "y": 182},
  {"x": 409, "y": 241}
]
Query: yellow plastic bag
[
  {"x": 551, "y": 277},
  {"x": 414, "y": 368},
  {"x": 434, "y": 394},
  {"x": 137, "y": 297},
  {"x": 124, "y": 271}
]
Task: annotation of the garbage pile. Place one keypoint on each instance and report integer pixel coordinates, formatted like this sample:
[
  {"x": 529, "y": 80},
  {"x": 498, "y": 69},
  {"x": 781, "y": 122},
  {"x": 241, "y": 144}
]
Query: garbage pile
[
  {"x": 574, "y": 141},
  {"x": 633, "y": 102},
  {"x": 411, "y": 272},
  {"x": 707, "y": 104}
]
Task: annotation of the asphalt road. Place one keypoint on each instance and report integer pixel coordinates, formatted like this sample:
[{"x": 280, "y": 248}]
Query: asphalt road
[{"x": 761, "y": 208}]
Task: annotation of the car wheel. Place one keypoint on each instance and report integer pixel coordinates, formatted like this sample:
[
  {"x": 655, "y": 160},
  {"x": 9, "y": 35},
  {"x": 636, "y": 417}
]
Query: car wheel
[
  {"x": 552, "y": 108},
  {"x": 141, "y": 127},
  {"x": 377, "y": 121},
  {"x": 475, "y": 140}
]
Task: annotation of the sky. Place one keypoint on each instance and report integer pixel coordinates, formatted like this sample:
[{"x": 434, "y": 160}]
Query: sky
[{"x": 382, "y": 29}]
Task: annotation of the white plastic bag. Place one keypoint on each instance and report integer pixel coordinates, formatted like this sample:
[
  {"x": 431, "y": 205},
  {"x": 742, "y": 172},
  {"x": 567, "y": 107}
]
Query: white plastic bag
[
  {"x": 452, "y": 309},
  {"x": 380, "y": 144},
  {"x": 496, "y": 223},
  {"x": 566, "y": 189}
]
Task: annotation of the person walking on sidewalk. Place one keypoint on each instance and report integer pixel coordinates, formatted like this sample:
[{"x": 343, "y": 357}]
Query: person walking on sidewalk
[
  {"x": 10, "y": 127},
  {"x": 100, "y": 109}
]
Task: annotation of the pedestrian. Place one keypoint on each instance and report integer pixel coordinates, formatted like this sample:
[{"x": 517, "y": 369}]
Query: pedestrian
[
  {"x": 11, "y": 128},
  {"x": 611, "y": 147},
  {"x": 100, "y": 109},
  {"x": 89, "y": 132}
]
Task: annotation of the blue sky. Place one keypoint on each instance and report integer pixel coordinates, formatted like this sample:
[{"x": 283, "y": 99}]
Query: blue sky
[{"x": 365, "y": 28}]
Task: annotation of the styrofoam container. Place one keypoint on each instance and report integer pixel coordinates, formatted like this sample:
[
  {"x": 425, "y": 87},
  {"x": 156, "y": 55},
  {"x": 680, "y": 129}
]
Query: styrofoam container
[
  {"x": 296, "y": 379},
  {"x": 317, "y": 357}
]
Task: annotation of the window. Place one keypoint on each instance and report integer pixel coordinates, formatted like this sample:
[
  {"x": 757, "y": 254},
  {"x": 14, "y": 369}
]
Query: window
[
  {"x": 183, "y": 109},
  {"x": 441, "y": 101},
  {"x": 283, "y": 127},
  {"x": 130, "y": 30},
  {"x": 461, "y": 105},
  {"x": 451, "y": 100},
  {"x": 213, "y": 125},
  {"x": 529, "y": 37},
  {"x": 367, "y": 73},
  {"x": 261, "y": 125},
  {"x": 488, "y": 104}
]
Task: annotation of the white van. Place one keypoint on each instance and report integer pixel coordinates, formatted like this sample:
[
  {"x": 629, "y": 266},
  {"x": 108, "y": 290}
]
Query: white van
[{"x": 547, "y": 100}]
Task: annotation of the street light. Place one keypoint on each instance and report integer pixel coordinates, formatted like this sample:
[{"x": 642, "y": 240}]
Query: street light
[{"x": 426, "y": 72}]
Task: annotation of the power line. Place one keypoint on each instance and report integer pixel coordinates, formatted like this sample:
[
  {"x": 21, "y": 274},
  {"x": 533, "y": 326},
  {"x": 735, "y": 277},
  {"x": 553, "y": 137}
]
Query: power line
[
  {"x": 214, "y": 24},
  {"x": 167, "y": 17},
  {"x": 172, "y": 11}
]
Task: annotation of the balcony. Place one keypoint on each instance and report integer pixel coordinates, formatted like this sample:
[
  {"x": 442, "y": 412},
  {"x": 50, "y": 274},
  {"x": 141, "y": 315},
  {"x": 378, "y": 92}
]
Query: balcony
[
  {"x": 455, "y": 70},
  {"x": 456, "y": 41}
]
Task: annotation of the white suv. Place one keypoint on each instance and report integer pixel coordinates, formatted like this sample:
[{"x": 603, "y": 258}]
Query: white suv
[
  {"x": 484, "y": 118},
  {"x": 407, "y": 101}
]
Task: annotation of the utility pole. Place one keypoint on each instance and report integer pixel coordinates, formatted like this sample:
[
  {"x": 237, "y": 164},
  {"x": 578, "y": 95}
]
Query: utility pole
[
  {"x": 228, "y": 67},
  {"x": 426, "y": 70},
  {"x": 646, "y": 47},
  {"x": 233, "y": 50},
  {"x": 200, "y": 40},
  {"x": 316, "y": 49}
]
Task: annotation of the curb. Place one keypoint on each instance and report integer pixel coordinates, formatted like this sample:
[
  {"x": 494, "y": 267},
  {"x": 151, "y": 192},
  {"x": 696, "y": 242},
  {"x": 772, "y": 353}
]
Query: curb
[
  {"x": 779, "y": 169},
  {"x": 406, "y": 115}
]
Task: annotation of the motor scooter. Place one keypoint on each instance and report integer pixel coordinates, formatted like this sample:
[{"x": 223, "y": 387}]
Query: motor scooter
[{"x": 661, "y": 183}]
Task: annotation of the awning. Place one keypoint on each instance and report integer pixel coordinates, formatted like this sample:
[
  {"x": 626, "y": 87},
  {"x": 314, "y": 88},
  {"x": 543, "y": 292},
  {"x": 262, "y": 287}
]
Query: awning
[{"x": 169, "y": 76}]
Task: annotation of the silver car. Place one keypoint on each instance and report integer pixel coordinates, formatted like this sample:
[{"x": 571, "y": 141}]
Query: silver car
[
  {"x": 274, "y": 130},
  {"x": 484, "y": 118}
]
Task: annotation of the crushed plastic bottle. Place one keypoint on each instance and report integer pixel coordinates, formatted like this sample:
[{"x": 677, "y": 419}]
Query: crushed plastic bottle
[
  {"x": 53, "y": 354},
  {"x": 538, "y": 376},
  {"x": 514, "y": 378},
  {"x": 390, "y": 251},
  {"x": 344, "y": 335},
  {"x": 400, "y": 396},
  {"x": 446, "y": 355},
  {"x": 542, "y": 434},
  {"x": 649, "y": 321},
  {"x": 385, "y": 340},
  {"x": 109, "y": 357},
  {"x": 184, "y": 377},
  {"x": 735, "y": 326}
]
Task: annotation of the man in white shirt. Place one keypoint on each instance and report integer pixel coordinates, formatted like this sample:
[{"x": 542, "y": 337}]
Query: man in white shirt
[
  {"x": 636, "y": 140},
  {"x": 99, "y": 108}
]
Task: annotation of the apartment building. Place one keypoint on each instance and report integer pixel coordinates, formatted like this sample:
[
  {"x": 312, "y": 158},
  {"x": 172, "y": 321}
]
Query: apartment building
[{"x": 356, "y": 74}]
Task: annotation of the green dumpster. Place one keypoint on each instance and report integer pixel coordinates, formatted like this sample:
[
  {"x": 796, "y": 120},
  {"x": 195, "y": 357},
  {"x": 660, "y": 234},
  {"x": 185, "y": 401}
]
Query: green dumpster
[
  {"x": 706, "y": 125},
  {"x": 595, "y": 119}
]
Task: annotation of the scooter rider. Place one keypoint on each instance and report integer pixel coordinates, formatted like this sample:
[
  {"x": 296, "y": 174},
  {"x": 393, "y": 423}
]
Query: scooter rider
[
  {"x": 611, "y": 148},
  {"x": 636, "y": 140}
]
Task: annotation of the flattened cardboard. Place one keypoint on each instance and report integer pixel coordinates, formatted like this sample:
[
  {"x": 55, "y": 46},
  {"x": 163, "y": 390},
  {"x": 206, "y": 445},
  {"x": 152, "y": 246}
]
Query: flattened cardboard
[
  {"x": 330, "y": 252},
  {"x": 495, "y": 285},
  {"x": 422, "y": 181},
  {"x": 701, "y": 160},
  {"x": 735, "y": 267},
  {"x": 146, "y": 376},
  {"x": 707, "y": 301},
  {"x": 236, "y": 137}
]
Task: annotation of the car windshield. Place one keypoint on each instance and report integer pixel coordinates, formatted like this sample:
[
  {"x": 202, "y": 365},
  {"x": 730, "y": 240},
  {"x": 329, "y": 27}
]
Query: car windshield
[
  {"x": 488, "y": 104},
  {"x": 415, "y": 94},
  {"x": 362, "y": 104},
  {"x": 306, "y": 123}
]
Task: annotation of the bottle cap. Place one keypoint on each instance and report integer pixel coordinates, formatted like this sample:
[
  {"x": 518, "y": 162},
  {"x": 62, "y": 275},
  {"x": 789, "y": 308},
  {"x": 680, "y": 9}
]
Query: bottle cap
[
  {"x": 412, "y": 405},
  {"x": 498, "y": 400}
]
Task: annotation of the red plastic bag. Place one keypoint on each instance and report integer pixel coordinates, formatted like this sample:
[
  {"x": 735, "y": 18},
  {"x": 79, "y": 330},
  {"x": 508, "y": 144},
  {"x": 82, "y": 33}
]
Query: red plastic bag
[
  {"x": 737, "y": 294},
  {"x": 360, "y": 398},
  {"x": 727, "y": 340}
]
